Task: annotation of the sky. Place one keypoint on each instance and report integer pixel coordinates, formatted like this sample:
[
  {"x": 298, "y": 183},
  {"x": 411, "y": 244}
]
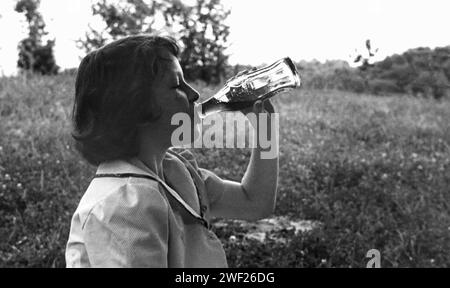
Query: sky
[{"x": 263, "y": 31}]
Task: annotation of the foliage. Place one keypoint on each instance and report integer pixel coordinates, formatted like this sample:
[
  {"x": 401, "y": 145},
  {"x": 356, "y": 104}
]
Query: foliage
[
  {"x": 374, "y": 171},
  {"x": 333, "y": 74},
  {"x": 204, "y": 35},
  {"x": 200, "y": 28},
  {"x": 35, "y": 56},
  {"x": 419, "y": 72},
  {"x": 121, "y": 18}
]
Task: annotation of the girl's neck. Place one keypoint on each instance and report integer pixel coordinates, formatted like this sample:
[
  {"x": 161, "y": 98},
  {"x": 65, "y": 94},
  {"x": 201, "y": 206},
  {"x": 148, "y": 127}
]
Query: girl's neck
[{"x": 152, "y": 153}]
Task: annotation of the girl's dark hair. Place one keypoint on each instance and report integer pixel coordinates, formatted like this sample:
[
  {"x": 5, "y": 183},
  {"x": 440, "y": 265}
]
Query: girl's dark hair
[{"x": 112, "y": 95}]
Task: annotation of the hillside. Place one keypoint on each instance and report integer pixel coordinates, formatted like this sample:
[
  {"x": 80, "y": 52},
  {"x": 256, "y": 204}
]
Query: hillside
[{"x": 373, "y": 171}]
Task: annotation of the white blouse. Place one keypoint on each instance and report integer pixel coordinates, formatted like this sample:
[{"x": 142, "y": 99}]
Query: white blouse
[{"x": 128, "y": 217}]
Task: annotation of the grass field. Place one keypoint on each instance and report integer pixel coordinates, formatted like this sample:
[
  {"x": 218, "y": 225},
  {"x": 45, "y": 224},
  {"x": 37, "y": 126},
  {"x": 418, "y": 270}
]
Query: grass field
[{"x": 373, "y": 171}]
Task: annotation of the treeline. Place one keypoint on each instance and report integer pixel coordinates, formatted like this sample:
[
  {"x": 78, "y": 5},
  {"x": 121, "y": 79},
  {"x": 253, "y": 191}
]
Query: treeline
[
  {"x": 203, "y": 36},
  {"x": 420, "y": 72},
  {"x": 199, "y": 27}
]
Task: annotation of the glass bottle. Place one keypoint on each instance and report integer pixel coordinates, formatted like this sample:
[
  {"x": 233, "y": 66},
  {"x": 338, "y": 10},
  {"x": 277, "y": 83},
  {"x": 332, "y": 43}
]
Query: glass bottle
[{"x": 248, "y": 86}]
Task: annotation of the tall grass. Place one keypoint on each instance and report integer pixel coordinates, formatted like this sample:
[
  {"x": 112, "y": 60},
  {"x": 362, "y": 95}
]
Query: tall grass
[{"x": 375, "y": 171}]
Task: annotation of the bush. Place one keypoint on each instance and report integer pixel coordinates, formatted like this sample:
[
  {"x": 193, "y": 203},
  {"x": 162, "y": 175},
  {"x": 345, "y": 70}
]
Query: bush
[
  {"x": 420, "y": 72},
  {"x": 349, "y": 80},
  {"x": 379, "y": 86}
]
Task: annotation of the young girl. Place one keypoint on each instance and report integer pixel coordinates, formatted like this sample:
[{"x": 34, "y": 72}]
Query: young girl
[{"x": 148, "y": 205}]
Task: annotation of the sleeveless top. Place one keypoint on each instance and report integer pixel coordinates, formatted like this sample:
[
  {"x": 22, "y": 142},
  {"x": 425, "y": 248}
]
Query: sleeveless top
[{"x": 129, "y": 217}]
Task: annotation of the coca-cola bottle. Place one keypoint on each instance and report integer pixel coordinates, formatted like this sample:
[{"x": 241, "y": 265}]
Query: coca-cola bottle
[{"x": 248, "y": 86}]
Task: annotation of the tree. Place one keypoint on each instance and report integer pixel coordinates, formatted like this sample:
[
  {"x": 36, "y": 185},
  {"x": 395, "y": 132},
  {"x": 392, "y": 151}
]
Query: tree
[
  {"x": 199, "y": 27},
  {"x": 365, "y": 60},
  {"x": 33, "y": 54},
  {"x": 130, "y": 17},
  {"x": 204, "y": 35}
]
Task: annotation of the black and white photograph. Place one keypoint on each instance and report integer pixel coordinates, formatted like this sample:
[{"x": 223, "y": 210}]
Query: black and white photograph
[{"x": 224, "y": 134}]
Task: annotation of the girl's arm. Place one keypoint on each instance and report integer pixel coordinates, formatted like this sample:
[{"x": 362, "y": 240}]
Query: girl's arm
[{"x": 255, "y": 196}]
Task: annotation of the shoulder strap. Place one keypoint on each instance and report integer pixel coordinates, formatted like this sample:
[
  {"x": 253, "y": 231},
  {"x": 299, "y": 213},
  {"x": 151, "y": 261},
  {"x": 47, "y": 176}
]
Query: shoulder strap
[{"x": 172, "y": 192}]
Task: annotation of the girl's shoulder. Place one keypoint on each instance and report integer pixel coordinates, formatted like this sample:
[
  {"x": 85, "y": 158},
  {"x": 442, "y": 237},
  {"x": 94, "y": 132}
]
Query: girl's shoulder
[{"x": 118, "y": 188}]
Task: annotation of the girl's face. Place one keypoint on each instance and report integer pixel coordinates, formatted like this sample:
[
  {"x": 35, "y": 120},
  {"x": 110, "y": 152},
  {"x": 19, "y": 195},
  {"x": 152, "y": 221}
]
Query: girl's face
[{"x": 174, "y": 95}]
